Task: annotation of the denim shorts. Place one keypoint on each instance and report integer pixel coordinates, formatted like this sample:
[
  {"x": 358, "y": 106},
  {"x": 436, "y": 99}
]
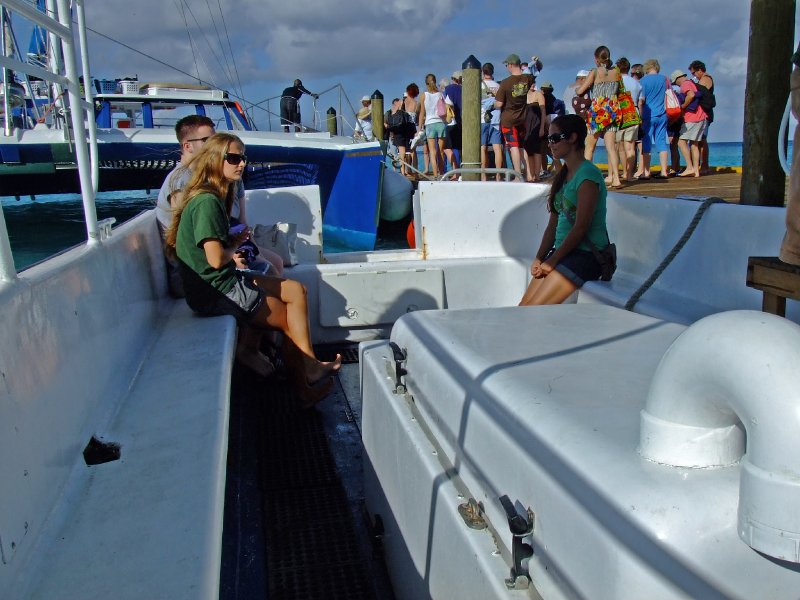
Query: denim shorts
[
  {"x": 579, "y": 266},
  {"x": 435, "y": 131},
  {"x": 490, "y": 135}
]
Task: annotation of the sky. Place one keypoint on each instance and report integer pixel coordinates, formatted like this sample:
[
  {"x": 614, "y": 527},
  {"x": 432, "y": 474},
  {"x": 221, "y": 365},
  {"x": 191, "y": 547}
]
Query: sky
[{"x": 364, "y": 45}]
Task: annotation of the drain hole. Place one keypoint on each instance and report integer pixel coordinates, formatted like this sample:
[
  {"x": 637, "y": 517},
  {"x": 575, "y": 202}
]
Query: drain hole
[{"x": 98, "y": 452}]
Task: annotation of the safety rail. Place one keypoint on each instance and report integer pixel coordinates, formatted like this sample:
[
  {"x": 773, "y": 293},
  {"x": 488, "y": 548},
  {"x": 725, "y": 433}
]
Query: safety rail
[
  {"x": 509, "y": 173},
  {"x": 319, "y": 122},
  {"x": 81, "y": 109}
]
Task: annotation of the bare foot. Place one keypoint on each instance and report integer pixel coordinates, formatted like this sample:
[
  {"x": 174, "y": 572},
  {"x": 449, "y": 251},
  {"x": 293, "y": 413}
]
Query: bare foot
[
  {"x": 316, "y": 370},
  {"x": 688, "y": 173}
]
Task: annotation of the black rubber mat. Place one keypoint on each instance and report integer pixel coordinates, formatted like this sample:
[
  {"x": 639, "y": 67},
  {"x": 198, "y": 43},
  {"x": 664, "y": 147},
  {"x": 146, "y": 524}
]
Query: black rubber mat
[{"x": 290, "y": 530}]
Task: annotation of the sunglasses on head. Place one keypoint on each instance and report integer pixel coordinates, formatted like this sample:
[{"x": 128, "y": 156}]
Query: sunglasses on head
[
  {"x": 202, "y": 139},
  {"x": 556, "y": 137},
  {"x": 234, "y": 158}
]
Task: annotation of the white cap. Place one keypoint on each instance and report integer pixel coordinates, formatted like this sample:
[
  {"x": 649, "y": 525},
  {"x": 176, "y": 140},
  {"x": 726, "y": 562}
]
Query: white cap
[
  {"x": 367, "y": 99},
  {"x": 582, "y": 73}
]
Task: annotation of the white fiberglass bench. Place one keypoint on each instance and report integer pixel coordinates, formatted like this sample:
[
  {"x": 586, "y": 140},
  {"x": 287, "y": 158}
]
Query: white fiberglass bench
[{"x": 92, "y": 346}]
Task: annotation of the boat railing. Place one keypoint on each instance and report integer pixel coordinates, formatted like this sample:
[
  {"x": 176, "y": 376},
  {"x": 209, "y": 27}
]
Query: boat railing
[
  {"x": 507, "y": 173},
  {"x": 341, "y": 104},
  {"x": 57, "y": 21}
]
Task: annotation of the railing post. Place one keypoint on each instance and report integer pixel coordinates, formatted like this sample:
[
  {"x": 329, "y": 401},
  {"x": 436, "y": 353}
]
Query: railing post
[
  {"x": 471, "y": 116},
  {"x": 331, "y": 121},
  {"x": 8, "y": 271},
  {"x": 377, "y": 115},
  {"x": 78, "y": 126}
]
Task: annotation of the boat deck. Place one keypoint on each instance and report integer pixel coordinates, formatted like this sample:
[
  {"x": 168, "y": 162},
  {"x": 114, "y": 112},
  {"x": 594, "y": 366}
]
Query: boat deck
[{"x": 294, "y": 522}]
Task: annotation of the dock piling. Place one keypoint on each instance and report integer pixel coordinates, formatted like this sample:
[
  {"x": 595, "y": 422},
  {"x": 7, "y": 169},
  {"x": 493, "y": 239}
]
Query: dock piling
[{"x": 471, "y": 117}]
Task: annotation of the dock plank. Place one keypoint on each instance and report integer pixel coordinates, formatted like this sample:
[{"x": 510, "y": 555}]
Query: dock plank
[{"x": 723, "y": 183}]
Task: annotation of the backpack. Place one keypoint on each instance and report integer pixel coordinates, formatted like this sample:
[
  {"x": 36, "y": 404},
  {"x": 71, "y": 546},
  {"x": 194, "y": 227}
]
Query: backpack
[
  {"x": 396, "y": 121},
  {"x": 441, "y": 107},
  {"x": 707, "y": 99}
]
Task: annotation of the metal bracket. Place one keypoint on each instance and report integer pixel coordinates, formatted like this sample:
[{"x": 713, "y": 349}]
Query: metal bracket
[
  {"x": 472, "y": 514},
  {"x": 520, "y": 527},
  {"x": 399, "y": 356},
  {"x": 104, "y": 227}
]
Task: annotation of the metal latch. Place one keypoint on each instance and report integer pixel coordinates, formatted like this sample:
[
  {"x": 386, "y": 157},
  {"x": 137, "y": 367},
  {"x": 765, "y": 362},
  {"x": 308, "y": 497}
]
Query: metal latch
[
  {"x": 399, "y": 356},
  {"x": 520, "y": 527}
]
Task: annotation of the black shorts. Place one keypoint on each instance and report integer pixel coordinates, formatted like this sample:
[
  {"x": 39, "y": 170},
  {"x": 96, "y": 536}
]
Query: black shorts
[
  {"x": 290, "y": 111},
  {"x": 242, "y": 302},
  {"x": 452, "y": 137}
]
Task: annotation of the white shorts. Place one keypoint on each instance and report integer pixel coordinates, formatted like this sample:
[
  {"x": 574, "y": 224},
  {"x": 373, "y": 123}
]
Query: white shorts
[
  {"x": 629, "y": 134},
  {"x": 692, "y": 131}
]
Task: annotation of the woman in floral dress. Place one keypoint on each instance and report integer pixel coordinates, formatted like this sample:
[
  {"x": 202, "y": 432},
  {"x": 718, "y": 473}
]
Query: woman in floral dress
[{"x": 604, "y": 115}]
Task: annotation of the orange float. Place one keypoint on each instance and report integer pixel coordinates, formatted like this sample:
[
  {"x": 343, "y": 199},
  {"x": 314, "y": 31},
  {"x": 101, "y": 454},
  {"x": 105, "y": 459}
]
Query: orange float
[{"x": 411, "y": 236}]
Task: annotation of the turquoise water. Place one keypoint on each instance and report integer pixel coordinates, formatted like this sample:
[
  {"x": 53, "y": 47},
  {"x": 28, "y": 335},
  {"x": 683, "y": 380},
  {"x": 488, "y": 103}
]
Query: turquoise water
[{"x": 52, "y": 223}]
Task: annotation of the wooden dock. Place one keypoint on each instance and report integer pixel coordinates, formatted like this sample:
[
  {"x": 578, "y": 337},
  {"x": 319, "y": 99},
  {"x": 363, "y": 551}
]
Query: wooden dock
[{"x": 722, "y": 182}]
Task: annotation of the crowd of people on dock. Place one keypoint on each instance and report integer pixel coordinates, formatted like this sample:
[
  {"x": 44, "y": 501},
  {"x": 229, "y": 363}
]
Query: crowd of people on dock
[{"x": 634, "y": 108}]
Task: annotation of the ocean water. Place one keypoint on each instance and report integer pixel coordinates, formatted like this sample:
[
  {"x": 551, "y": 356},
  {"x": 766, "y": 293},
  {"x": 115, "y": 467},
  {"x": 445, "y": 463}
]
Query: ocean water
[{"x": 48, "y": 224}]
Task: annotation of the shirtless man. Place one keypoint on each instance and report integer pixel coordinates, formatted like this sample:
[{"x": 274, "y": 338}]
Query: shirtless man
[{"x": 698, "y": 71}]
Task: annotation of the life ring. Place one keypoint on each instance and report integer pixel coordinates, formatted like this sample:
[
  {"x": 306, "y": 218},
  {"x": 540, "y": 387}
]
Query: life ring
[{"x": 411, "y": 237}]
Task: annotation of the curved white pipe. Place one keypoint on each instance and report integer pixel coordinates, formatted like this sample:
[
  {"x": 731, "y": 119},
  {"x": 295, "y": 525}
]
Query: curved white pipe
[{"x": 728, "y": 372}]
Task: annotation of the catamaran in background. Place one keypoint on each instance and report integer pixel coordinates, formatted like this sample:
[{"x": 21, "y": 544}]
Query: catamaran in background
[
  {"x": 573, "y": 451},
  {"x": 133, "y": 124}
]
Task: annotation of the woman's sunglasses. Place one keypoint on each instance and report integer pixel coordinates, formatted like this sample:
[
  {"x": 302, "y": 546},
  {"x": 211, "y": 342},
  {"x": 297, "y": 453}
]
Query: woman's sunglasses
[
  {"x": 556, "y": 137},
  {"x": 233, "y": 158}
]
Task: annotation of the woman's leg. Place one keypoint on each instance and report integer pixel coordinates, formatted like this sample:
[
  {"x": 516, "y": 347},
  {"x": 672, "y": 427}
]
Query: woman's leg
[
  {"x": 431, "y": 144},
  {"x": 401, "y": 151},
  {"x": 440, "y": 154},
  {"x": 610, "y": 139},
  {"x": 286, "y": 308},
  {"x": 551, "y": 289},
  {"x": 248, "y": 351},
  {"x": 591, "y": 142}
]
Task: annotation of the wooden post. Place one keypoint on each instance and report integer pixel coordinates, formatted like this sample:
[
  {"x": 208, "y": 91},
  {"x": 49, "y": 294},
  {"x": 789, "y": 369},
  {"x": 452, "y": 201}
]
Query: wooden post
[
  {"x": 471, "y": 117},
  {"x": 377, "y": 115},
  {"x": 768, "y": 71},
  {"x": 331, "y": 120}
]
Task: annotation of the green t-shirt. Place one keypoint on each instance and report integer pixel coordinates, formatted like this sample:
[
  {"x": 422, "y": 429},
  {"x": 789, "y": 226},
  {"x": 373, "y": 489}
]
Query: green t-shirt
[
  {"x": 567, "y": 199},
  {"x": 205, "y": 218}
]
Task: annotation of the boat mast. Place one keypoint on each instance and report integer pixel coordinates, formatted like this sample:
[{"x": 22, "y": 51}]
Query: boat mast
[{"x": 768, "y": 70}]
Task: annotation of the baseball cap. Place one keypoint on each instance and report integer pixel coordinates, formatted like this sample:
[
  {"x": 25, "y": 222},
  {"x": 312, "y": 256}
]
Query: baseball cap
[
  {"x": 365, "y": 99},
  {"x": 457, "y": 75},
  {"x": 512, "y": 59},
  {"x": 547, "y": 85},
  {"x": 582, "y": 73}
]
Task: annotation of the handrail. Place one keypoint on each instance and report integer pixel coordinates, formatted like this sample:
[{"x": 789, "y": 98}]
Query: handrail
[
  {"x": 60, "y": 28},
  {"x": 483, "y": 171}
]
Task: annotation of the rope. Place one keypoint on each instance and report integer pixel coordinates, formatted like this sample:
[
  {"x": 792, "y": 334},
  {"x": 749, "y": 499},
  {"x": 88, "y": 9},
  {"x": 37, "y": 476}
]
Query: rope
[{"x": 672, "y": 253}]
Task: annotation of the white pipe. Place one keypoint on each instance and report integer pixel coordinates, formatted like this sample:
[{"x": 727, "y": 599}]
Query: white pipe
[
  {"x": 89, "y": 96},
  {"x": 77, "y": 116},
  {"x": 728, "y": 372}
]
